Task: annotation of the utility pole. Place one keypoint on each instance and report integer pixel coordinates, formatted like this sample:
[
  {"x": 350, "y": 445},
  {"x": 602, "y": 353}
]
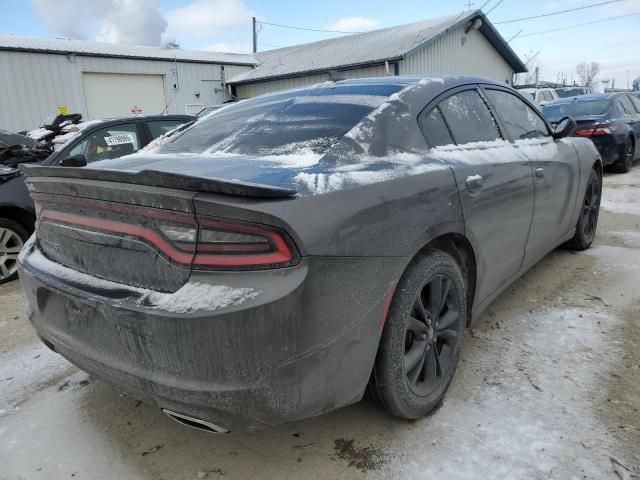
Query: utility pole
[
  {"x": 628, "y": 71},
  {"x": 537, "y": 77},
  {"x": 255, "y": 35}
]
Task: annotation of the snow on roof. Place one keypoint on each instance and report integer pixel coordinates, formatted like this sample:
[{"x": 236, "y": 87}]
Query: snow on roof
[
  {"x": 367, "y": 48},
  {"x": 82, "y": 47}
]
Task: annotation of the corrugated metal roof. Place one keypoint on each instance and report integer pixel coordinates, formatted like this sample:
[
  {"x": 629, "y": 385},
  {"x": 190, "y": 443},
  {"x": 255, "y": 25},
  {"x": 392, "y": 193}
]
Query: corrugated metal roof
[
  {"x": 366, "y": 48},
  {"x": 82, "y": 47}
]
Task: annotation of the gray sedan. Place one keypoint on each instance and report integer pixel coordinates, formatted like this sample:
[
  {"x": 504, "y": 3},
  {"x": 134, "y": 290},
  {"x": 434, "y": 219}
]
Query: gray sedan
[{"x": 291, "y": 253}]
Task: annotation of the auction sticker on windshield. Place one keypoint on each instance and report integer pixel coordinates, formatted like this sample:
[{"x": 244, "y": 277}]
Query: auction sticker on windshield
[{"x": 119, "y": 139}]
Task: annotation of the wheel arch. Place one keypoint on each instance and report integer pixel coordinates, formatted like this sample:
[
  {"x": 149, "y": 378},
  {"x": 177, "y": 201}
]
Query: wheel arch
[
  {"x": 460, "y": 248},
  {"x": 23, "y": 217}
]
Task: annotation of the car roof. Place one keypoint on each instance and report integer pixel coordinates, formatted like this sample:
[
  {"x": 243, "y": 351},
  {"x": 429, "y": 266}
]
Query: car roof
[{"x": 107, "y": 121}]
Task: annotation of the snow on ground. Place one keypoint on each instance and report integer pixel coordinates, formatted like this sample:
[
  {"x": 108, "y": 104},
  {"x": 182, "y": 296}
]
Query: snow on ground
[{"x": 548, "y": 387}]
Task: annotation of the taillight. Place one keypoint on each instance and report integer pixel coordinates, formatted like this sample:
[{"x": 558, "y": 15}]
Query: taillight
[
  {"x": 597, "y": 131},
  {"x": 223, "y": 244},
  {"x": 200, "y": 242}
]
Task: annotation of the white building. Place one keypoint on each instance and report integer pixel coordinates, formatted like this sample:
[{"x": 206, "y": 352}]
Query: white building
[
  {"x": 106, "y": 80},
  {"x": 462, "y": 44}
]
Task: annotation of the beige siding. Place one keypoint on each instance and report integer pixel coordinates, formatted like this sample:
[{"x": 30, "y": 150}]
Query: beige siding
[
  {"x": 255, "y": 89},
  {"x": 458, "y": 54},
  {"x": 32, "y": 85}
]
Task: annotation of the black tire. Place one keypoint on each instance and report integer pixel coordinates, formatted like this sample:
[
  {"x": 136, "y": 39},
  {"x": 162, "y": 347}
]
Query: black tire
[
  {"x": 12, "y": 238},
  {"x": 588, "y": 219},
  {"x": 414, "y": 393},
  {"x": 627, "y": 152}
]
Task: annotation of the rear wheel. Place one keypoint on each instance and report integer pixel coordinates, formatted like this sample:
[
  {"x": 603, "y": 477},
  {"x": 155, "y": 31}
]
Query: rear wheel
[
  {"x": 626, "y": 156},
  {"x": 588, "y": 220},
  {"x": 12, "y": 238},
  {"x": 420, "y": 343}
]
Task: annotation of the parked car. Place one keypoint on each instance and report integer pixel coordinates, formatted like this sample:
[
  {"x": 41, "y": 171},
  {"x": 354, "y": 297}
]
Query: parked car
[
  {"x": 565, "y": 92},
  {"x": 611, "y": 120},
  {"x": 86, "y": 142},
  {"x": 276, "y": 260},
  {"x": 540, "y": 95}
]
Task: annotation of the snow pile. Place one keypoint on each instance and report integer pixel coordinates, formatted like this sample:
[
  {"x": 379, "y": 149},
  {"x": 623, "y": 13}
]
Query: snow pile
[
  {"x": 196, "y": 296},
  {"x": 39, "y": 133},
  {"x": 497, "y": 151}
]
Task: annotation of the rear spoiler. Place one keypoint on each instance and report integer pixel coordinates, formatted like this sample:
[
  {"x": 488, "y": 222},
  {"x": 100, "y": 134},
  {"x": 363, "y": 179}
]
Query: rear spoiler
[{"x": 155, "y": 178}]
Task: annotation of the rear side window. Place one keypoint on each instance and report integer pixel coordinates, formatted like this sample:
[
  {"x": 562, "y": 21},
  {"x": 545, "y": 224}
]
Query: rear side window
[
  {"x": 627, "y": 106},
  {"x": 469, "y": 118},
  {"x": 520, "y": 121},
  {"x": 434, "y": 129},
  {"x": 160, "y": 127},
  {"x": 636, "y": 103}
]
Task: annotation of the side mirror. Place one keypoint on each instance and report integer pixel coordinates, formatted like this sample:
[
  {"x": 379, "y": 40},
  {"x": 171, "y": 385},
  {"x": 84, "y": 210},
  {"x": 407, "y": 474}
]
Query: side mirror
[
  {"x": 565, "y": 127},
  {"x": 74, "y": 161}
]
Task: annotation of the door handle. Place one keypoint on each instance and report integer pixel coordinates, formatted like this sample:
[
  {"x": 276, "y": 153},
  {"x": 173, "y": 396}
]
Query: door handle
[
  {"x": 539, "y": 172},
  {"x": 474, "y": 182}
]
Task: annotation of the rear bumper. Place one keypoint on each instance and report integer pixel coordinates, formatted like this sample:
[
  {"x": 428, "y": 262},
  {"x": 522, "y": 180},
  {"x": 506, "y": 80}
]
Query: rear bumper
[
  {"x": 304, "y": 345},
  {"x": 609, "y": 148}
]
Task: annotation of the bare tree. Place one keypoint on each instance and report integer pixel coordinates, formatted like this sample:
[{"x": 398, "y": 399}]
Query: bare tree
[{"x": 587, "y": 73}]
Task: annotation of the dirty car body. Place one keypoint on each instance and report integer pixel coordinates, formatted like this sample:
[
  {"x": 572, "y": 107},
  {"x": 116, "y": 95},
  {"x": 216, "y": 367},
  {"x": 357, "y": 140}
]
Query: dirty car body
[{"x": 241, "y": 273}]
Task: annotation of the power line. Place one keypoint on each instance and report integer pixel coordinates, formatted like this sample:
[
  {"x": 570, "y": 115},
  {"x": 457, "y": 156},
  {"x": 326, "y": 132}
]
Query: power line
[
  {"x": 580, "y": 25},
  {"x": 484, "y": 4},
  {"x": 557, "y": 13},
  {"x": 301, "y": 28},
  {"x": 493, "y": 8}
]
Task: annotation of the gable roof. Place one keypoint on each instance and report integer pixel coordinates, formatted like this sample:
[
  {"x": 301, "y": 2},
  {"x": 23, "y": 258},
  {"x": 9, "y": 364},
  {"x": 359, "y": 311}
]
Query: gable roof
[
  {"x": 101, "y": 49},
  {"x": 374, "y": 47}
]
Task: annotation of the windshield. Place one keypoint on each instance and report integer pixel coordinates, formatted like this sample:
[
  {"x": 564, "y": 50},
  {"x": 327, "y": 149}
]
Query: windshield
[
  {"x": 570, "y": 92},
  {"x": 583, "y": 108},
  {"x": 310, "y": 120}
]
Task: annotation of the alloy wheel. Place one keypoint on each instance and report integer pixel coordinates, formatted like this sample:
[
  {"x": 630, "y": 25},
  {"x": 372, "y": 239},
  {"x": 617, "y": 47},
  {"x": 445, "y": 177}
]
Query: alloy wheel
[
  {"x": 10, "y": 246},
  {"x": 628, "y": 153},
  {"x": 590, "y": 209},
  {"x": 431, "y": 335}
]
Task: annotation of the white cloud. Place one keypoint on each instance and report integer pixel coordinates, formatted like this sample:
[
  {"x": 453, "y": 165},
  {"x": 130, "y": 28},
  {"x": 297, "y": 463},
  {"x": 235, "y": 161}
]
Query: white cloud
[
  {"x": 353, "y": 24},
  {"x": 229, "y": 47},
  {"x": 206, "y": 18},
  {"x": 137, "y": 22},
  {"x": 125, "y": 24}
]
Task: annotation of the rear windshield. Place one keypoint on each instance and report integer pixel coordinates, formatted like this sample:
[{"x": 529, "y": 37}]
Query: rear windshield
[
  {"x": 570, "y": 92},
  {"x": 311, "y": 120},
  {"x": 582, "y": 108}
]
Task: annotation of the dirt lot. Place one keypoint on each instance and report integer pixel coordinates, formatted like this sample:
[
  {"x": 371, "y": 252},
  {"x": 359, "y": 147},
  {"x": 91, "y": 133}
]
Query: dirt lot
[{"x": 548, "y": 387}]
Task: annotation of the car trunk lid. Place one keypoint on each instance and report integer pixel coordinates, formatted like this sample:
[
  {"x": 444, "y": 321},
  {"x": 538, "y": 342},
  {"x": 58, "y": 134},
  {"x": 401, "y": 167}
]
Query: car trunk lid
[{"x": 137, "y": 229}]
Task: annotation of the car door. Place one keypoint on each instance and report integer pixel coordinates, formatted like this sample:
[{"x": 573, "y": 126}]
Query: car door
[
  {"x": 555, "y": 165},
  {"x": 494, "y": 180}
]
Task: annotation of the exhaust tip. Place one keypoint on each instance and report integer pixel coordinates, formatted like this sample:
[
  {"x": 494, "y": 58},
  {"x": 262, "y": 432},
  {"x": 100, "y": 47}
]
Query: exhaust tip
[{"x": 196, "y": 423}]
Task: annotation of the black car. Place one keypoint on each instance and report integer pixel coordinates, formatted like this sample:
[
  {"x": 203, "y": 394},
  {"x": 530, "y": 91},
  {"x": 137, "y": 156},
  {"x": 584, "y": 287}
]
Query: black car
[
  {"x": 277, "y": 259},
  {"x": 610, "y": 120},
  {"x": 85, "y": 142}
]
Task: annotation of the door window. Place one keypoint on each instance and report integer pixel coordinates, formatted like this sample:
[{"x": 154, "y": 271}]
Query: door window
[
  {"x": 435, "y": 129},
  {"x": 520, "y": 120},
  {"x": 109, "y": 142},
  {"x": 627, "y": 105},
  {"x": 160, "y": 127},
  {"x": 468, "y": 118}
]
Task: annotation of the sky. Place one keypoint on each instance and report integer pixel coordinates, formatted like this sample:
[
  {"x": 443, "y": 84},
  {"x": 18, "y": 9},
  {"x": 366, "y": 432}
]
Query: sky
[{"x": 225, "y": 25}]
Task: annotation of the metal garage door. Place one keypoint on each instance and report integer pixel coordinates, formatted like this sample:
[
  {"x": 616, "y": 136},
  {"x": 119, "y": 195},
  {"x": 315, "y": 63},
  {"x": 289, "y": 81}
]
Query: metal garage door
[{"x": 116, "y": 94}]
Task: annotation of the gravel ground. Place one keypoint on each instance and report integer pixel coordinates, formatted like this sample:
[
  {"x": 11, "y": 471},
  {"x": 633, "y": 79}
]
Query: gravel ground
[{"x": 548, "y": 387}]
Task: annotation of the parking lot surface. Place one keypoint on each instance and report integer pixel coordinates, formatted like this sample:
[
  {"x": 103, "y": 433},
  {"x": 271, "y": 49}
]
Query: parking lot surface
[{"x": 548, "y": 387}]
